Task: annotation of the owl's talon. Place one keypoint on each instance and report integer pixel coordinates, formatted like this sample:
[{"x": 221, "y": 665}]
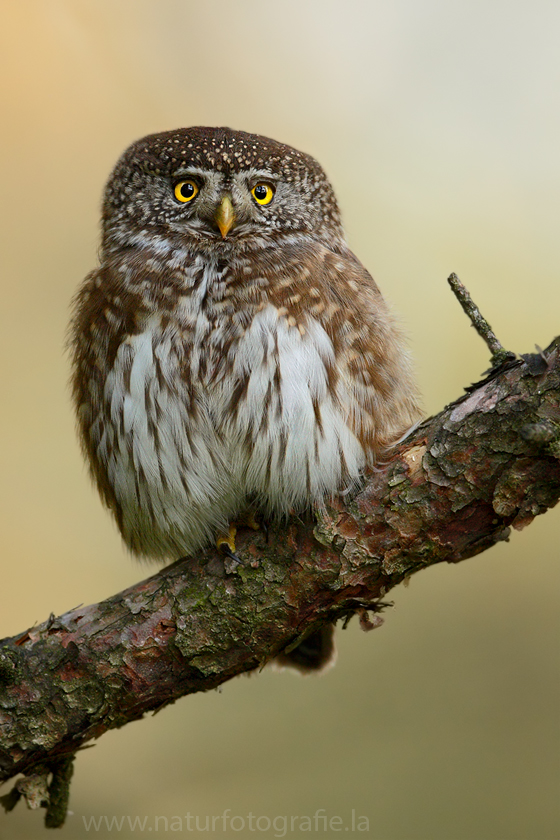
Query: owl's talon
[
  {"x": 226, "y": 542},
  {"x": 264, "y": 528},
  {"x": 225, "y": 549}
]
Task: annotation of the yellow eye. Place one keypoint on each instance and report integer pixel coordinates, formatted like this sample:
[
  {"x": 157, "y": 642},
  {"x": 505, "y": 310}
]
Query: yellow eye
[
  {"x": 263, "y": 193},
  {"x": 185, "y": 191}
]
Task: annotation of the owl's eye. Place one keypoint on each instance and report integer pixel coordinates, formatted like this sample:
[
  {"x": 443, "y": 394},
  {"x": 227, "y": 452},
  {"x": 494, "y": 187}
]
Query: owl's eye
[
  {"x": 185, "y": 191},
  {"x": 263, "y": 193}
]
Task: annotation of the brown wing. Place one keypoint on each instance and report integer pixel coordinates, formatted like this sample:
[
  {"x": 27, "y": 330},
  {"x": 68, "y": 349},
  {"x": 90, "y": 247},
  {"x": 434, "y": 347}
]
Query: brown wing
[{"x": 372, "y": 372}]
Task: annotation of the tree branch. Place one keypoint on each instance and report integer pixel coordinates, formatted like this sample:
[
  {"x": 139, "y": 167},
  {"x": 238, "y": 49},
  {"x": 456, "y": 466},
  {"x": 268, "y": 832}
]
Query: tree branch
[{"x": 454, "y": 488}]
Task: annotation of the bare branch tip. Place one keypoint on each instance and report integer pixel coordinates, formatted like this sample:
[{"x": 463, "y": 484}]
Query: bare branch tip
[{"x": 479, "y": 322}]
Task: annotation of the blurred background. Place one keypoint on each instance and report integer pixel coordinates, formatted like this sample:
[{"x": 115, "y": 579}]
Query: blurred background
[{"x": 439, "y": 125}]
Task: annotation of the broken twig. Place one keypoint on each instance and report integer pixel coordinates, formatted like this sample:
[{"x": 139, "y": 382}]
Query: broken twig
[{"x": 479, "y": 322}]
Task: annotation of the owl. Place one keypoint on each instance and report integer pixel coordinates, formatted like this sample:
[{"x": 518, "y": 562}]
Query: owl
[{"x": 232, "y": 358}]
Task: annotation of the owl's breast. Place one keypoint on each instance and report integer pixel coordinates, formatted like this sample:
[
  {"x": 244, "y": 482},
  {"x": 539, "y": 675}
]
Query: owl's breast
[
  {"x": 154, "y": 443},
  {"x": 288, "y": 433}
]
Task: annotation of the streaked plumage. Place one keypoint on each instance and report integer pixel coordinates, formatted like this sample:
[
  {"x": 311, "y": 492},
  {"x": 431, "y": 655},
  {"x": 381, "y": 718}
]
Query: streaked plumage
[{"x": 216, "y": 372}]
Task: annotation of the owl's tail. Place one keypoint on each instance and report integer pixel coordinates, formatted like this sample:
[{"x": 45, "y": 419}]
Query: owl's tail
[{"x": 316, "y": 652}]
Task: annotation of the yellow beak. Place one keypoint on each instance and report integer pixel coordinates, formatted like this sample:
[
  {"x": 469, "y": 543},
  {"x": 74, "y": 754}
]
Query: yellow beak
[{"x": 225, "y": 216}]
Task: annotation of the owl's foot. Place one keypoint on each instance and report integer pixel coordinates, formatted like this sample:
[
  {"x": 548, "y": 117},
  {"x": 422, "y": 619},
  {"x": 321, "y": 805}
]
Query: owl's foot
[
  {"x": 226, "y": 543},
  {"x": 250, "y": 522}
]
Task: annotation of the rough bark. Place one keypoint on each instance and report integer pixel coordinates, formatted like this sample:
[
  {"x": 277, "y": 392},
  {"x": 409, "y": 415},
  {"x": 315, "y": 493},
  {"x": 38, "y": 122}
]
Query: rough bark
[{"x": 454, "y": 488}]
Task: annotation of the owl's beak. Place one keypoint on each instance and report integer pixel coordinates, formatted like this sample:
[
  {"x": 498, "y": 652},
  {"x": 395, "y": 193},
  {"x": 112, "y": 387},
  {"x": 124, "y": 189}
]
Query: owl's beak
[{"x": 225, "y": 216}]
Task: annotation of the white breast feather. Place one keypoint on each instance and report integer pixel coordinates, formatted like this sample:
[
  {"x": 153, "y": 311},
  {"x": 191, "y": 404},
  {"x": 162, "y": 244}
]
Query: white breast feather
[
  {"x": 179, "y": 485},
  {"x": 172, "y": 492},
  {"x": 306, "y": 463}
]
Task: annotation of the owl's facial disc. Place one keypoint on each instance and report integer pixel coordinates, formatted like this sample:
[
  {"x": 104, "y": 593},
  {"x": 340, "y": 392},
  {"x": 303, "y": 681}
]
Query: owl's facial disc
[
  {"x": 171, "y": 189},
  {"x": 212, "y": 204},
  {"x": 225, "y": 216}
]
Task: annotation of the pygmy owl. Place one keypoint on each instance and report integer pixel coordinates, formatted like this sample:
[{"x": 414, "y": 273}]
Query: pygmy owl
[{"x": 230, "y": 353}]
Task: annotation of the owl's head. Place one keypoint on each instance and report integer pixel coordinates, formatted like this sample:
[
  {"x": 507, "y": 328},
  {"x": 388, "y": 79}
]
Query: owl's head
[{"x": 215, "y": 188}]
